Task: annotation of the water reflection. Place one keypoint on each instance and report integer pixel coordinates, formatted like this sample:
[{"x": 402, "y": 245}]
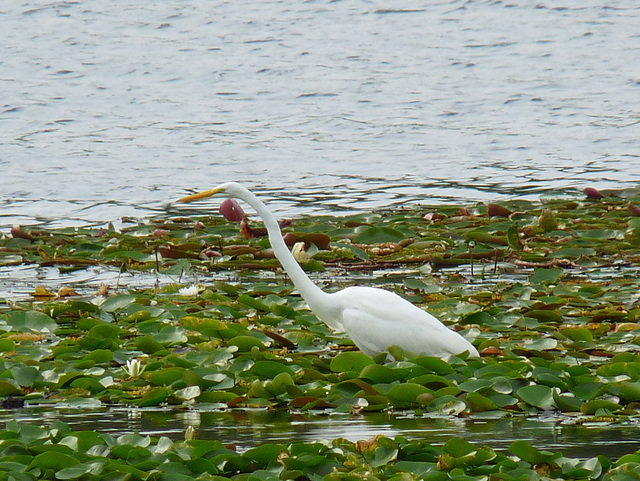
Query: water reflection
[
  {"x": 473, "y": 101},
  {"x": 250, "y": 428}
]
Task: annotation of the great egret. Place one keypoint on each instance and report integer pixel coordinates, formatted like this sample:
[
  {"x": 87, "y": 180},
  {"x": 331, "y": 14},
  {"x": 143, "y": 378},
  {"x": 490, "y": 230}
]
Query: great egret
[{"x": 374, "y": 319}]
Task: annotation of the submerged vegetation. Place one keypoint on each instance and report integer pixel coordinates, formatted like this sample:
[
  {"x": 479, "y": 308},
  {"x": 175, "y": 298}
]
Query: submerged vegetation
[{"x": 548, "y": 292}]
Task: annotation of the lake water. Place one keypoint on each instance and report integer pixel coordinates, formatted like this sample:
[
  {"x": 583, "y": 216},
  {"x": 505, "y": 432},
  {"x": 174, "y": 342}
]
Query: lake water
[
  {"x": 247, "y": 429},
  {"x": 113, "y": 108}
]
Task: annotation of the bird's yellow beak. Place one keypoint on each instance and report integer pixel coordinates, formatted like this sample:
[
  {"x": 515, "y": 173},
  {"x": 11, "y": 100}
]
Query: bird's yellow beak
[{"x": 200, "y": 195}]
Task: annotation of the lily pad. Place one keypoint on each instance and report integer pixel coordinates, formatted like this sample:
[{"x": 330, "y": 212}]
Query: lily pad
[
  {"x": 30, "y": 321},
  {"x": 350, "y": 362},
  {"x": 537, "y": 395},
  {"x": 378, "y": 235}
]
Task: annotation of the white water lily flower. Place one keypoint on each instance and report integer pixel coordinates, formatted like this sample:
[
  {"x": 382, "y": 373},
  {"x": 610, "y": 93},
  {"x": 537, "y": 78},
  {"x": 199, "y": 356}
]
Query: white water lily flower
[
  {"x": 134, "y": 368},
  {"x": 299, "y": 253},
  {"x": 190, "y": 291}
]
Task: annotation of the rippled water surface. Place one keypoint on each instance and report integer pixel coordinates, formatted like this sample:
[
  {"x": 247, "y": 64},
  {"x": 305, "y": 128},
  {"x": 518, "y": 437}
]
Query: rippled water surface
[
  {"x": 112, "y": 108},
  {"x": 249, "y": 428}
]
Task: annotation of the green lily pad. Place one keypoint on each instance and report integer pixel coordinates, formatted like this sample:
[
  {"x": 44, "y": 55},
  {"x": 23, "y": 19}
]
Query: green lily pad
[
  {"x": 246, "y": 343},
  {"x": 55, "y": 461},
  {"x": 118, "y": 302},
  {"x": 378, "y": 235},
  {"x": 546, "y": 276},
  {"x": 537, "y": 395},
  {"x": 379, "y": 374},
  {"x": 8, "y": 387},
  {"x": 7, "y": 345},
  {"x": 406, "y": 393},
  {"x": 265, "y": 454},
  {"x": 567, "y": 403},
  {"x": 30, "y": 321},
  {"x": 148, "y": 345},
  {"x": 434, "y": 364},
  {"x": 529, "y": 454},
  {"x": 167, "y": 376},
  {"x": 154, "y": 397},
  {"x": 573, "y": 252},
  {"x": 447, "y": 405},
  {"x": 592, "y": 407},
  {"x": 350, "y": 362},
  {"x": 25, "y": 376},
  {"x": 269, "y": 369}
]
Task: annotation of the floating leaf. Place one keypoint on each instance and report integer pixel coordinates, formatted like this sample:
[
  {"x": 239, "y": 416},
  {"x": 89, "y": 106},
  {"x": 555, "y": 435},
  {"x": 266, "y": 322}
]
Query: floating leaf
[
  {"x": 448, "y": 405},
  {"x": 79, "y": 471},
  {"x": 188, "y": 393},
  {"x": 269, "y": 369},
  {"x": 350, "y": 362},
  {"x": 495, "y": 210},
  {"x": 592, "y": 193},
  {"x": 8, "y": 387},
  {"x": 526, "y": 452},
  {"x": 578, "y": 334},
  {"x": 405, "y": 393},
  {"x": 567, "y": 403},
  {"x": 7, "y": 345},
  {"x": 458, "y": 447},
  {"x": 379, "y": 374},
  {"x": 246, "y": 343},
  {"x": 231, "y": 210},
  {"x": 167, "y": 376},
  {"x": 115, "y": 303},
  {"x": 54, "y": 460},
  {"x": 154, "y": 397},
  {"x": 592, "y": 407},
  {"x": 30, "y": 321},
  {"x": 25, "y": 376},
  {"x": 629, "y": 391},
  {"x": 537, "y": 395},
  {"x": 265, "y": 454},
  {"x": 378, "y": 235},
  {"x": 573, "y": 252},
  {"x": 546, "y": 276},
  {"x": 588, "y": 390},
  {"x": 434, "y": 364},
  {"x": 148, "y": 345}
]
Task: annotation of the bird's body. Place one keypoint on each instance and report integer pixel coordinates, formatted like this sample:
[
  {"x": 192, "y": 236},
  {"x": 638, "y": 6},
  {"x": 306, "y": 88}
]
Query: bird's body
[{"x": 374, "y": 318}]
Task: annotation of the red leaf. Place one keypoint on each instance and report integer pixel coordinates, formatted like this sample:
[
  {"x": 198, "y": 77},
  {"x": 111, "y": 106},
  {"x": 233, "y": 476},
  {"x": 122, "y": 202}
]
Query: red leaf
[
  {"x": 495, "y": 210},
  {"x": 231, "y": 210},
  {"x": 634, "y": 209},
  {"x": 592, "y": 193},
  {"x": 18, "y": 233}
]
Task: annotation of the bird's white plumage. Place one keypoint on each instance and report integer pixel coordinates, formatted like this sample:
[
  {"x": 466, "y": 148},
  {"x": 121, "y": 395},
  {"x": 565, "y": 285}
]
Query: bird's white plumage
[{"x": 374, "y": 319}]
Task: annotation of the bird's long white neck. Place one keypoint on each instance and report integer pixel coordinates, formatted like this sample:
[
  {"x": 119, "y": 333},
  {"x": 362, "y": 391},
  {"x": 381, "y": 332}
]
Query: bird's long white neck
[{"x": 314, "y": 296}]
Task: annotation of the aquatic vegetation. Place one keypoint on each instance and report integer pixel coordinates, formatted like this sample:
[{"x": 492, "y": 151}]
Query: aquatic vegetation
[
  {"x": 548, "y": 293},
  {"x": 57, "y": 452}
]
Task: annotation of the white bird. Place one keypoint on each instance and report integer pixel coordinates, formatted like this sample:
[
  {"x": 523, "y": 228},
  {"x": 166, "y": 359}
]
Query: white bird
[{"x": 374, "y": 318}]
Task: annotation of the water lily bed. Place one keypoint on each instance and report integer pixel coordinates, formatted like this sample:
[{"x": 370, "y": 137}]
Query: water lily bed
[
  {"x": 547, "y": 291},
  {"x": 57, "y": 452}
]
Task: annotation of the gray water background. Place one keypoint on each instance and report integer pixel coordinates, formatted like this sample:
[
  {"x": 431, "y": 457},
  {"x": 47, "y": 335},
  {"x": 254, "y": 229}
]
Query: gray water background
[{"x": 114, "y": 108}]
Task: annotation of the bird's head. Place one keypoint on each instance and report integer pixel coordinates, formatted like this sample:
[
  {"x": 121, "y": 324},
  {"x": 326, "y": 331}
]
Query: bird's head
[{"x": 228, "y": 189}]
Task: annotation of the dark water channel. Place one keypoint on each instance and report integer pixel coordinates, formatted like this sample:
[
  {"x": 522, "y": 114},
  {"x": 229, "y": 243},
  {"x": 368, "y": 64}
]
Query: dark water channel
[{"x": 250, "y": 428}]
